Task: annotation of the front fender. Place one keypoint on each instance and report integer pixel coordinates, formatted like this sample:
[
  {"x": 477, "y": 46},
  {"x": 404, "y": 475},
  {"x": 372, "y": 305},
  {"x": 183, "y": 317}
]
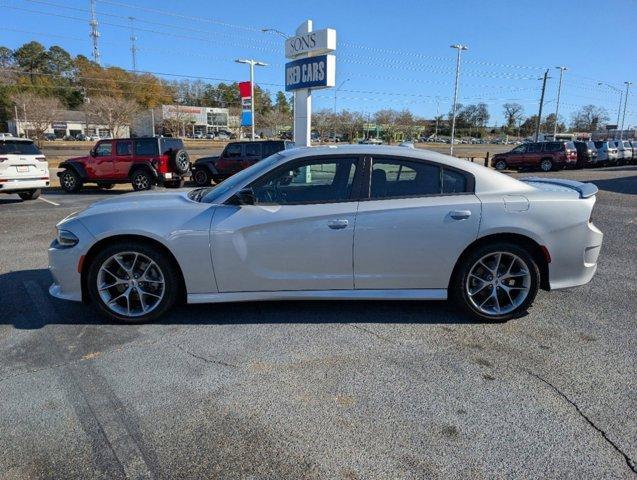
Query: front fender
[{"x": 77, "y": 167}]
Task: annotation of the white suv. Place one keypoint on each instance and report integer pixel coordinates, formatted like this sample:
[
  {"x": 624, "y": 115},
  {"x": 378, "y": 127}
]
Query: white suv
[{"x": 23, "y": 168}]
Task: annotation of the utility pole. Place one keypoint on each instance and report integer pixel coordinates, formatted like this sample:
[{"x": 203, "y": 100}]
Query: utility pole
[
  {"x": 557, "y": 106},
  {"x": 539, "y": 115},
  {"x": 94, "y": 33},
  {"x": 133, "y": 39},
  {"x": 460, "y": 48},
  {"x": 252, "y": 63},
  {"x": 621, "y": 98},
  {"x": 621, "y": 133}
]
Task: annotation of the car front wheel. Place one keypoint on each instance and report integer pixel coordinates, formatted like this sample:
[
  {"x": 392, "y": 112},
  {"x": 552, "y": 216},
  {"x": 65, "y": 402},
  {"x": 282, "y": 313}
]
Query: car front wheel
[
  {"x": 500, "y": 165},
  {"x": 546, "y": 165},
  {"x": 496, "y": 282},
  {"x": 132, "y": 282},
  {"x": 70, "y": 181}
]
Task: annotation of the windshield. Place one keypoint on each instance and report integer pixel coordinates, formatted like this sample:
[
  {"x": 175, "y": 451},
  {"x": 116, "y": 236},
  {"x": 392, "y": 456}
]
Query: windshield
[
  {"x": 17, "y": 147},
  {"x": 213, "y": 194}
]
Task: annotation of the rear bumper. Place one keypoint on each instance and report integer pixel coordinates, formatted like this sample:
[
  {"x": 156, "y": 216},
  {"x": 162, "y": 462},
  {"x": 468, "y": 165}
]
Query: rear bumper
[
  {"x": 575, "y": 260},
  {"x": 19, "y": 184}
]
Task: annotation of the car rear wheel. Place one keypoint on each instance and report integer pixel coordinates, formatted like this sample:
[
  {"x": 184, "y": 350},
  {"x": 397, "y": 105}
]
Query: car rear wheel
[
  {"x": 30, "y": 194},
  {"x": 201, "y": 177},
  {"x": 70, "y": 181},
  {"x": 496, "y": 282},
  {"x": 141, "y": 180},
  {"x": 546, "y": 165},
  {"x": 132, "y": 282},
  {"x": 500, "y": 165}
]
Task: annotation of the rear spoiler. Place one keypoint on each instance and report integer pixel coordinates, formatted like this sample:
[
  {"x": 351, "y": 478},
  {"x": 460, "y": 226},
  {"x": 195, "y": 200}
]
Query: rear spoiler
[{"x": 585, "y": 190}]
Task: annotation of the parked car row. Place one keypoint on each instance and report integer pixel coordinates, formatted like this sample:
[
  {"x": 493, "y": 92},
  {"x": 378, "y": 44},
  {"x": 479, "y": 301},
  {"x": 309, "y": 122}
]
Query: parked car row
[{"x": 556, "y": 155}]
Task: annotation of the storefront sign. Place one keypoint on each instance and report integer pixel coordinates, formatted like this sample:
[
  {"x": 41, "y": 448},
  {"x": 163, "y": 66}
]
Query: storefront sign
[
  {"x": 58, "y": 125},
  {"x": 318, "y": 42},
  {"x": 311, "y": 72}
]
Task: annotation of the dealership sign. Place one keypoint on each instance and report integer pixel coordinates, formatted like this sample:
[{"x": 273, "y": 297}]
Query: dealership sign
[
  {"x": 310, "y": 72},
  {"x": 318, "y": 42}
]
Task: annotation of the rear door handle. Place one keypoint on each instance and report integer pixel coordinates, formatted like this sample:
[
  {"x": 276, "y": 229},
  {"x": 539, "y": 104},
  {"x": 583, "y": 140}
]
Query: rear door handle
[
  {"x": 460, "y": 214},
  {"x": 338, "y": 224}
]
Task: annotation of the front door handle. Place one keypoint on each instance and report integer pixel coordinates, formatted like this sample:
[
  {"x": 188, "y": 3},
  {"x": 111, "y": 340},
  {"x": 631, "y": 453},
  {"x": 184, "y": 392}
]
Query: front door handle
[
  {"x": 460, "y": 214},
  {"x": 338, "y": 224}
]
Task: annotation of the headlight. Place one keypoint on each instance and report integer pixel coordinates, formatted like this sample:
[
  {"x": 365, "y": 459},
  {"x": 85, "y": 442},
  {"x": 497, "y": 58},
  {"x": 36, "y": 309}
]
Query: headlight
[{"x": 66, "y": 239}]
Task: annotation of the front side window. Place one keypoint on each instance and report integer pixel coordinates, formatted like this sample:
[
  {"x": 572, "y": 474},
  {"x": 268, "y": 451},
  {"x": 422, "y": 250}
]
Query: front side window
[
  {"x": 403, "y": 178},
  {"x": 308, "y": 181},
  {"x": 103, "y": 149},
  {"x": 146, "y": 147},
  {"x": 233, "y": 150},
  {"x": 520, "y": 149}
]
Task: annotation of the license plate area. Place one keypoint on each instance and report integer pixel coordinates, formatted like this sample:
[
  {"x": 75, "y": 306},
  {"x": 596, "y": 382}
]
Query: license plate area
[{"x": 22, "y": 168}]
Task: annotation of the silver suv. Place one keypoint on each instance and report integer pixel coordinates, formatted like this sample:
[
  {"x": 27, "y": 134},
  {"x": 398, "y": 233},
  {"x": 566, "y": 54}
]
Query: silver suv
[
  {"x": 23, "y": 167},
  {"x": 606, "y": 152}
]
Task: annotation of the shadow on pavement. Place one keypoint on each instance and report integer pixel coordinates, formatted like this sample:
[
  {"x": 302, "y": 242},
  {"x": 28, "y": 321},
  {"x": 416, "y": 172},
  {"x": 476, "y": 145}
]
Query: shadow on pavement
[
  {"x": 626, "y": 185},
  {"x": 18, "y": 299}
]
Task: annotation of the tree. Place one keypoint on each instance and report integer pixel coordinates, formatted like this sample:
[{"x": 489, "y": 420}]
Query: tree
[
  {"x": 351, "y": 123},
  {"x": 589, "y": 118},
  {"x": 322, "y": 122},
  {"x": 281, "y": 103},
  {"x": 386, "y": 119},
  {"x": 31, "y": 57},
  {"x": 527, "y": 128},
  {"x": 38, "y": 111},
  {"x": 115, "y": 113},
  {"x": 6, "y": 57},
  {"x": 513, "y": 113}
]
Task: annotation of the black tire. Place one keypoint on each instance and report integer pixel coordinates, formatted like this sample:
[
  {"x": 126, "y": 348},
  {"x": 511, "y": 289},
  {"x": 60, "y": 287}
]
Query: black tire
[
  {"x": 500, "y": 165},
  {"x": 141, "y": 180},
  {"x": 106, "y": 186},
  {"x": 546, "y": 165},
  {"x": 174, "y": 183},
  {"x": 201, "y": 177},
  {"x": 459, "y": 285},
  {"x": 168, "y": 270},
  {"x": 70, "y": 181},
  {"x": 180, "y": 161},
  {"x": 30, "y": 194}
]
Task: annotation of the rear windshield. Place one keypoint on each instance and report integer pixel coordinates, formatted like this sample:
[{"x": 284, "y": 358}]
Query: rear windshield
[
  {"x": 8, "y": 147},
  {"x": 168, "y": 144}
]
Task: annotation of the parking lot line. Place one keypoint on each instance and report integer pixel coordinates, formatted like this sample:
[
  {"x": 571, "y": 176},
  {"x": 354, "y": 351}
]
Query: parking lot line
[{"x": 49, "y": 201}]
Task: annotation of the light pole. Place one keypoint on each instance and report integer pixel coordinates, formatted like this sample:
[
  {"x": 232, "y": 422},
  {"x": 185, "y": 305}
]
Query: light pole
[
  {"x": 621, "y": 132},
  {"x": 557, "y": 106},
  {"x": 275, "y": 31},
  {"x": 335, "y": 92},
  {"x": 459, "y": 48},
  {"x": 252, "y": 63},
  {"x": 621, "y": 97}
]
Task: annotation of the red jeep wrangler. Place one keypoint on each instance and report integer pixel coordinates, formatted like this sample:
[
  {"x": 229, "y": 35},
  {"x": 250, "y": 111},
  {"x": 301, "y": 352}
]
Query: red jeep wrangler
[{"x": 143, "y": 162}]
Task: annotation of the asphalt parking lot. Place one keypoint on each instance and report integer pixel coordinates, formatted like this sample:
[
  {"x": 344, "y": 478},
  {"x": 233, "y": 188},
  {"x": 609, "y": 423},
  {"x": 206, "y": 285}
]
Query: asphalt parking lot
[{"x": 291, "y": 390}]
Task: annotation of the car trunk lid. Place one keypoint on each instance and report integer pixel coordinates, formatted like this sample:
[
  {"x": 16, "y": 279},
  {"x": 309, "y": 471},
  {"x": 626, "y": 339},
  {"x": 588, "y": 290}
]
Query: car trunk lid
[{"x": 585, "y": 190}]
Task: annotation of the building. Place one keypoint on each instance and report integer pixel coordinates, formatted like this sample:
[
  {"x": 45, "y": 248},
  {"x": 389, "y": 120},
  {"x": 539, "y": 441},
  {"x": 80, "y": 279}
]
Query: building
[
  {"x": 69, "y": 123},
  {"x": 181, "y": 120}
]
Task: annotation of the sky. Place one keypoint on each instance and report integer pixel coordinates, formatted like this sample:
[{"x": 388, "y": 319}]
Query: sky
[{"x": 389, "y": 54}]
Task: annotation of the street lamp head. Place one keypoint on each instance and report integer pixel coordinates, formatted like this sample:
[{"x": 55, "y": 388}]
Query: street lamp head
[
  {"x": 274, "y": 30},
  {"x": 562, "y": 68},
  {"x": 459, "y": 47},
  {"x": 628, "y": 84},
  {"x": 240, "y": 60},
  {"x": 261, "y": 64}
]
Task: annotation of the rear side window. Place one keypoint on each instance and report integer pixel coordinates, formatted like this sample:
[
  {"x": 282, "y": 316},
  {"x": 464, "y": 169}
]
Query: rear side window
[
  {"x": 453, "y": 181},
  {"x": 146, "y": 146},
  {"x": 9, "y": 147},
  {"x": 403, "y": 178},
  {"x": 124, "y": 148},
  {"x": 170, "y": 144},
  {"x": 253, "y": 149},
  {"x": 553, "y": 146},
  {"x": 270, "y": 148},
  {"x": 533, "y": 148}
]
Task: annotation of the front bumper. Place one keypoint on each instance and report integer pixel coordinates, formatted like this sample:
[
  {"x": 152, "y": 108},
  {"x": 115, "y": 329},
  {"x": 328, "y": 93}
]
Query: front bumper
[{"x": 64, "y": 263}]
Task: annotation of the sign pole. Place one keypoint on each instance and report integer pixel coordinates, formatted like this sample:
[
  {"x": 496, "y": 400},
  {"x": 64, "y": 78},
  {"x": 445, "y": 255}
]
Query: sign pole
[
  {"x": 303, "y": 104},
  {"x": 252, "y": 98}
]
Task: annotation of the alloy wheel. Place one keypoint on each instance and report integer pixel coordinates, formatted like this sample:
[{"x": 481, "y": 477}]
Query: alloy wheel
[
  {"x": 498, "y": 283},
  {"x": 182, "y": 161},
  {"x": 130, "y": 284},
  {"x": 546, "y": 165},
  {"x": 68, "y": 181},
  {"x": 141, "y": 181}
]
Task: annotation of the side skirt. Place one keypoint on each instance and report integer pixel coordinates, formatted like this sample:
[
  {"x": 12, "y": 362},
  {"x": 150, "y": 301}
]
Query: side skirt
[{"x": 416, "y": 294}]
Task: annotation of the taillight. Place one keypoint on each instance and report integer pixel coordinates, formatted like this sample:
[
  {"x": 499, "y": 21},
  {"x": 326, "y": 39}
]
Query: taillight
[
  {"x": 2, "y": 159},
  {"x": 162, "y": 164},
  {"x": 41, "y": 159}
]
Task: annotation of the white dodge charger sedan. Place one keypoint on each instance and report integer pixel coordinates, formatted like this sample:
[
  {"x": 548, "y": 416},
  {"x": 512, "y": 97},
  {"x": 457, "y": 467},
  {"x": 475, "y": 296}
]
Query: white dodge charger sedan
[{"x": 355, "y": 222}]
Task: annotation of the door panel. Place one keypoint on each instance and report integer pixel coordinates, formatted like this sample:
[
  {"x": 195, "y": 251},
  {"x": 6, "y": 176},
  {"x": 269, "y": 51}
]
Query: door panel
[
  {"x": 412, "y": 242},
  {"x": 101, "y": 165},
  {"x": 123, "y": 158},
  {"x": 283, "y": 247}
]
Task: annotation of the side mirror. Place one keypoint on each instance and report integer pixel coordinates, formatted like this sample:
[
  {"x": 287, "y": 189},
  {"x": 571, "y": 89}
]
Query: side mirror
[
  {"x": 92, "y": 153},
  {"x": 245, "y": 196}
]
